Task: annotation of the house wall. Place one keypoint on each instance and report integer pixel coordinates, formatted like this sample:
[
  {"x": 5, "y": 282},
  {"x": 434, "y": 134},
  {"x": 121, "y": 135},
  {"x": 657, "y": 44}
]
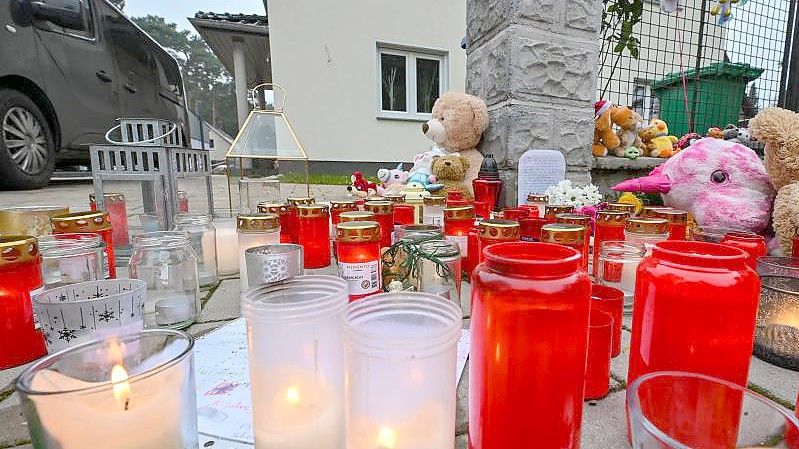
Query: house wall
[
  {"x": 324, "y": 54},
  {"x": 221, "y": 145}
]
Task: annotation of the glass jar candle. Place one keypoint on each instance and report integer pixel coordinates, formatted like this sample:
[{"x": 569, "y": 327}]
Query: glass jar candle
[
  {"x": 400, "y": 351},
  {"x": 97, "y": 222},
  {"x": 253, "y": 191},
  {"x": 678, "y": 222},
  {"x": 495, "y": 231},
  {"x": 530, "y": 229},
  {"x": 29, "y": 220},
  {"x": 581, "y": 220},
  {"x": 256, "y": 230},
  {"x": 314, "y": 235},
  {"x": 539, "y": 202},
  {"x": 597, "y": 369},
  {"x": 358, "y": 256},
  {"x": 754, "y": 245},
  {"x": 646, "y": 231},
  {"x": 551, "y": 210},
  {"x": 457, "y": 222},
  {"x": 618, "y": 265},
  {"x": 20, "y": 275},
  {"x": 530, "y": 307},
  {"x": 71, "y": 258},
  {"x": 118, "y": 214},
  {"x": 284, "y": 215},
  {"x": 611, "y": 301},
  {"x": 203, "y": 240},
  {"x": 608, "y": 225},
  {"x": 227, "y": 258},
  {"x": 291, "y": 223},
  {"x": 778, "y": 266},
  {"x": 440, "y": 267},
  {"x": 695, "y": 311},
  {"x": 433, "y": 211},
  {"x": 336, "y": 208},
  {"x": 384, "y": 215},
  {"x": 621, "y": 207},
  {"x": 183, "y": 202},
  {"x": 294, "y": 340},
  {"x": 167, "y": 262},
  {"x": 124, "y": 388},
  {"x": 571, "y": 235},
  {"x": 777, "y": 333}
]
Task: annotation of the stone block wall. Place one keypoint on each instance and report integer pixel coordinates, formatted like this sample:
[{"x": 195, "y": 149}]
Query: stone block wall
[{"x": 535, "y": 64}]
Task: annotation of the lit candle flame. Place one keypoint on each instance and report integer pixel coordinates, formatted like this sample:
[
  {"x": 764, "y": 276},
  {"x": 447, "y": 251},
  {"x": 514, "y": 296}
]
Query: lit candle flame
[
  {"x": 293, "y": 396},
  {"x": 121, "y": 387},
  {"x": 386, "y": 438}
]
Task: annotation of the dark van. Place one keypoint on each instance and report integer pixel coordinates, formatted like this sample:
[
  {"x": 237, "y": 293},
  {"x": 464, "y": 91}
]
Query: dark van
[{"x": 68, "y": 69}]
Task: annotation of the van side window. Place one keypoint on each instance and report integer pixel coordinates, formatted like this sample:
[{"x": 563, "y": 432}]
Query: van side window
[{"x": 85, "y": 13}]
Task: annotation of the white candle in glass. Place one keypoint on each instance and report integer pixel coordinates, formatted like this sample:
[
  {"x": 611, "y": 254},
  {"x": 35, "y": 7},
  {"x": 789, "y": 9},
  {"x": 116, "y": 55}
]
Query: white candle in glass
[
  {"x": 227, "y": 255},
  {"x": 251, "y": 240}
]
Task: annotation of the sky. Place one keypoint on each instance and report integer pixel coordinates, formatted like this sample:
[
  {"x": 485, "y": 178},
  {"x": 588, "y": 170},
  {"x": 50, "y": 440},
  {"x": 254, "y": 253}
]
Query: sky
[{"x": 178, "y": 10}]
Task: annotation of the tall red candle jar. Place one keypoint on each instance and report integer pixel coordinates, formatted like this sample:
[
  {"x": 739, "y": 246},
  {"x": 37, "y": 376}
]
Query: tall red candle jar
[
  {"x": 314, "y": 236},
  {"x": 597, "y": 367},
  {"x": 339, "y": 206},
  {"x": 290, "y": 223},
  {"x": 284, "y": 217},
  {"x": 495, "y": 231},
  {"x": 530, "y": 229},
  {"x": 96, "y": 222},
  {"x": 530, "y": 304},
  {"x": 473, "y": 249},
  {"x": 384, "y": 216},
  {"x": 678, "y": 222},
  {"x": 455, "y": 198},
  {"x": 608, "y": 225},
  {"x": 457, "y": 223},
  {"x": 539, "y": 202},
  {"x": 754, "y": 245},
  {"x": 433, "y": 211},
  {"x": 118, "y": 213},
  {"x": 646, "y": 231},
  {"x": 487, "y": 186},
  {"x": 20, "y": 275},
  {"x": 582, "y": 220},
  {"x": 551, "y": 210},
  {"x": 611, "y": 301},
  {"x": 571, "y": 235},
  {"x": 621, "y": 207},
  {"x": 358, "y": 255},
  {"x": 481, "y": 209},
  {"x": 695, "y": 311}
]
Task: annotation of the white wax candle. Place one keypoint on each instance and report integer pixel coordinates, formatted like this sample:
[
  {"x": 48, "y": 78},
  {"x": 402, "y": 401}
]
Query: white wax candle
[
  {"x": 423, "y": 428},
  {"x": 227, "y": 256},
  {"x": 175, "y": 308},
  {"x": 627, "y": 284}
]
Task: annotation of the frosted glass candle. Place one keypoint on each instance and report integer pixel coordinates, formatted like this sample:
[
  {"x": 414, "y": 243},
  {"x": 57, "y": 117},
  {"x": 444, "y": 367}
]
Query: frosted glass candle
[
  {"x": 400, "y": 359},
  {"x": 433, "y": 211},
  {"x": 296, "y": 362},
  {"x": 227, "y": 256},
  {"x": 618, "y": 263},
  {"x": 255, "y": 230}
]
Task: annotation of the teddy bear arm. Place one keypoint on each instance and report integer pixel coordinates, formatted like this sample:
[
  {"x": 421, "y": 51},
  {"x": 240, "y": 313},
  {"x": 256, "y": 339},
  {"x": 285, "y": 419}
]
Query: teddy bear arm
[{"x": 786, "y": 216}]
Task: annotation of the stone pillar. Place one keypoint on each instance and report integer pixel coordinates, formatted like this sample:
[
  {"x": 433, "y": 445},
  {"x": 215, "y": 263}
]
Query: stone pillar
[
  {"x": 535, "y": 63},
  {"x": 240, "y": 81}
]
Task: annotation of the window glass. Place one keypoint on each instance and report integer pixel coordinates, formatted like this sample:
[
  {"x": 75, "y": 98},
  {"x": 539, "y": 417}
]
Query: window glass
[
  {"x": 76, "y": 7},
  {"x": 427, "y": 84},
  {"x": 392, "y": 68}
]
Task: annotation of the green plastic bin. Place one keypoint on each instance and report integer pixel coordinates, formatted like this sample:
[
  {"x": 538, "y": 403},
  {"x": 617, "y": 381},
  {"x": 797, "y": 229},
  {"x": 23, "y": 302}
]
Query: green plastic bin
[{"x": 719, "y": 90}]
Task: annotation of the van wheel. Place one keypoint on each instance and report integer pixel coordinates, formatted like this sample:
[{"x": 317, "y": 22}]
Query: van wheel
[{"x": 27, "y": 148}]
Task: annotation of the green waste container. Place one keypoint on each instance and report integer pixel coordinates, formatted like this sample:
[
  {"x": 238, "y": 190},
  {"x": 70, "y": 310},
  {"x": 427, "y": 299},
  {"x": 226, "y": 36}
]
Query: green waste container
[{"x": 719, "y": 93}]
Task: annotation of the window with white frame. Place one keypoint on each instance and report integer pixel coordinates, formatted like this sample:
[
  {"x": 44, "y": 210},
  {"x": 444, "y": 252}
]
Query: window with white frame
[
  {"x": 410, "y": 80},
  {"x": 642, "y": 99}
]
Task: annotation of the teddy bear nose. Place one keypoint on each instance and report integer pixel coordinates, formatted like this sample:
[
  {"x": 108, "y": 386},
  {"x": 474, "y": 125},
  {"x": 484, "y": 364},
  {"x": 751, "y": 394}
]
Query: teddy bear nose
[
  {"x": 425, "y": 127},
  {"x": 448, "y": 163}
]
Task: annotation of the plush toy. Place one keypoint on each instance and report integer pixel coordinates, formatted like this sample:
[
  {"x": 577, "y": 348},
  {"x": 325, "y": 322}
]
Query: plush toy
[
  {"x": 604, "y": 138},
  {"x": 722, "y": 184},
  {"x": 779, "y": 129},
  {"x": 740, "y": 135},
  {"x": 457, "y": 125},
  {"x": 630, "y": 124},
  {"x": 630, "y": 198},
  {"x": 632, "y": 153},
  {"x": 392, "y": 181},
  {"x": 657, "y": 140},
  {"x": 686, "y": 141},
  {"x": 361, "y": 185},
  {"x": 421, "y": 174},
  {"x": 450, "y": 170},
  {"x": 715, "y": 132}
]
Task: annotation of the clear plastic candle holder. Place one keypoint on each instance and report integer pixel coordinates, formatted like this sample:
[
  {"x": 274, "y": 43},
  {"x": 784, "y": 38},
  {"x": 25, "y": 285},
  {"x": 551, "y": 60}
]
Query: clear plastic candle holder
[
  {"x": 202, "y": 235},
  {"x": 72, "y": 258},
  {"x": 618, "y": 265},
  {"x": 255, "y": 230},
  {"x": 253, "y": 191},
  {"x": 296, "y": 358},
  {"x": 135, "y": 391},
  {"x": 400, "y": 364},
  {"x": 227, "y": 242},
  {"x": 680, "y": 410},
  {"x": 778, "y": 266}
]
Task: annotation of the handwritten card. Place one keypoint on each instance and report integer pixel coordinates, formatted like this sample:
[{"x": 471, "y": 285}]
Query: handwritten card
[{"x": 539, "y": 169}]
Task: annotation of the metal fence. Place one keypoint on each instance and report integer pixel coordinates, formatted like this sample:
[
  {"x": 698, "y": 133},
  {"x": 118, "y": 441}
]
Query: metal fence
[{"x": 694, "y": 73}]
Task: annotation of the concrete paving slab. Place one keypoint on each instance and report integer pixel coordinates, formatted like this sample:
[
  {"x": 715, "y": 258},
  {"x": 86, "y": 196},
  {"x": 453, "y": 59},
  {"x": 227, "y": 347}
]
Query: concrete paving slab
[
  {"x": 604, "y": 424},
  {"x": 620, "y": 363},
  {"x": 14, "y": 429},
  {"x": 198, "y": 330},
  {"x": 223, "y": 304},
  {"x": 773, "y": 381},
  {"x": 9, "y": 376}
]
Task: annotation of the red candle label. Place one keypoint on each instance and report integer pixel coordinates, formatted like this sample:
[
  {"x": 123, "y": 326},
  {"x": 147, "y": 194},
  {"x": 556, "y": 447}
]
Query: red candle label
[{"x": 363, "y": 277}]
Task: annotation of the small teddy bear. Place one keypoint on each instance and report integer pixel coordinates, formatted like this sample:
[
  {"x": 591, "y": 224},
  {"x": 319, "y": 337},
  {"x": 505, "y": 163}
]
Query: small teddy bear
[
  {"x": 630, "y": 123},
  {"x": 657, "y": 140},
  {"x": 450, "y": 170},
  {"x": 391, "y": 181}
]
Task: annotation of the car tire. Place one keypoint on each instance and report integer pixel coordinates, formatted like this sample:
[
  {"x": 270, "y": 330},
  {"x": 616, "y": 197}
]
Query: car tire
[{"x": 27, "y": 147}]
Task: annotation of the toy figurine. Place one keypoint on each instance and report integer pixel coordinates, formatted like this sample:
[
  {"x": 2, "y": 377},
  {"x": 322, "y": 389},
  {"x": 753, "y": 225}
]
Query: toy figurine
[
  {"x": 632, "y": 152},
  {"x": 362, "y": 185},
  {"x": 657, "y": 139},
  {"x": 715, "y": 132},
  {"x": 686, "y": 141},
  {"x": 392, "y": 181}
]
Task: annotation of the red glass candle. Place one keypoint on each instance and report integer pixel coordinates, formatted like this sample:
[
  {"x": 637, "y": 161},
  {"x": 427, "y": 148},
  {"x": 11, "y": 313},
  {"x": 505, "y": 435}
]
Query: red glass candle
[
  {"x": 183, "y": 202},
  {"x": 472, "y": 248},
  {"x": 530, "y": 229},
  {"x": 678, "y": 222},
  {"x": 384, "y": 216},
  {"x": 285, "y": 218},
  {"x": 514, "y": 214},
  {"x": 358, "y": 215},
  {"x": 537, "y": 203},
  {"x": 457, "y": 223},
  {"x": 481, "y": 209},
  {"x": 495, "y": 231},
  {"x": 339, "y": 206},
  {"x": 96, "y": 222},
  {"x": 314, "y": 234},
  {"x": 571, "y": 235},
  {"x": 551, "y": 210},
  {"x": 530, "y": 306},
  {"x": 597, "y": 369},
  {"x": 584, "y": 221},
  {"x": 487, "y": 190},
  {"x": 404, "y": 214},
  {"x": 20, "y": 275},
  {"x": 611, "y": 301},
  {"x": 754, "y": 245},
  {"x": 118, "y": 212},
  {"x": 695, "y": 310},
  {"x": 621, "y": 207},
  {"x": 358, "y": 255},
  {"x": 609, "y": 225}
]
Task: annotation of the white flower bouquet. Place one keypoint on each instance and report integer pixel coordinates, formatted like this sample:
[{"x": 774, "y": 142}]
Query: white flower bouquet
[{"x": 565, "y": 192}]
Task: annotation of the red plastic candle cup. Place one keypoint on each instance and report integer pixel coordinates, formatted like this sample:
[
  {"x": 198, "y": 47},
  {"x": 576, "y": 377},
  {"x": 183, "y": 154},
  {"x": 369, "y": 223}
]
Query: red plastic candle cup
[
  {"x": 695, "y": 310},
  {"x": 609, "y": 225},
  {"x": 531, "y": 210},
  {"x": 404, "y": 214},
  {"x": 515, "y": 214},
  {"x": 183, "y": 202},
  {"x": 358, "y": 255},
  {"x": 597, "y": 370},
  {"x": 495, "y": 231},
  {"x": 611, "y": 301},
  {"x": 582, "y": 220},
  {"x": 286, "y": 217},
  {"x": 456, "y": 199},
  {"x": 678, "y": 222},
  {"x": 384, "y": 216},
  {"x": 530, "y": 305},
  {"x": 339, "y": 206},
  {"x": 314, "y": 234},
  {"x": 93, "y": 222},
  {"x": 454, "y": 195},
  {"x": 571, "y": 235},
  {"x": 20, "y": 275},
  {"x": 457, "y": 223},
  {"x": 754, "y": 245},
  {"x": 473, "y": 248},
  {"x": 487, "y": 191},
  {"x": 552, "y": 210},
  {"x": 530, "y": 229},
  {"x": 118, "y": 213}
]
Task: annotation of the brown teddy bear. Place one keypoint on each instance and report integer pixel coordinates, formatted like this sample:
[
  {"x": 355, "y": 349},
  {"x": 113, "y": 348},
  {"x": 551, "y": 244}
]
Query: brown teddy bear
[
  {"x": 457, "y": 124},
  {"x": 450, "y": 170},
  {"x": 630, "y": 124},
  {"x": 604, "y": 137},
  {"x": 779, "y": 129}
]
